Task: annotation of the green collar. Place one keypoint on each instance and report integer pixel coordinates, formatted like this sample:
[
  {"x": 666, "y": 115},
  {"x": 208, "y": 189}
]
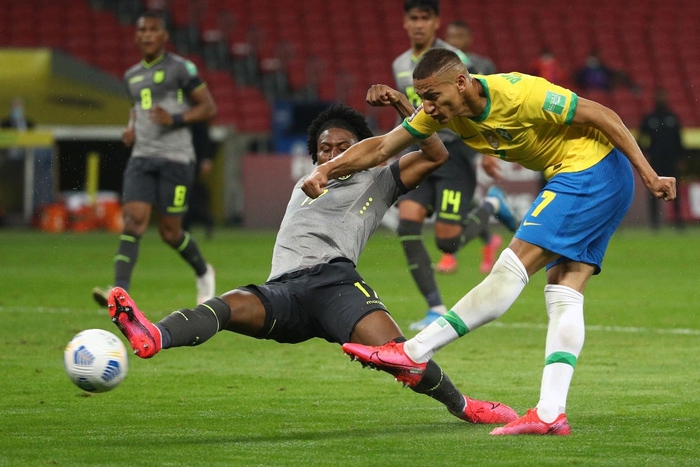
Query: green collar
[
  {"x": 154, "y": 62},
  {"x": 487, "y": 109}
]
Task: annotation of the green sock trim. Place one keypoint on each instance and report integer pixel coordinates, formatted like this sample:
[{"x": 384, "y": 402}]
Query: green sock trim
[
  {"x": 473, "y": 218},
  {"x": 128, "y": 238},
  {"x": 181, "y": 314},
  {"x": 218, "y": 324},
  {"x": 184, "y": 243},
  {"x": 442, "y": 378},
  {"x": 561, "y": 357},
  {"x": 124, "y": 258},
  {"x": 456, "y": 323}
]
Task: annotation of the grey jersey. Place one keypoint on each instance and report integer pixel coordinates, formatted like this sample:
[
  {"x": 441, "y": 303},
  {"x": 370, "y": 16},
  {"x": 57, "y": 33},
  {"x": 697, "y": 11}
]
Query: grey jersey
[
  {"x": 338, "y": 223},
  {"x": 167, "y": 82},
  {"x": 480, "y": 65},
  {"x": 403, "y": 67}
]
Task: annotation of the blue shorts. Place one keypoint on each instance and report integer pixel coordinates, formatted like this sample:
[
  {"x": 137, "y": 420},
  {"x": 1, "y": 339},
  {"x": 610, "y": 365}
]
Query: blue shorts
[{"x": 575, "y": 214}]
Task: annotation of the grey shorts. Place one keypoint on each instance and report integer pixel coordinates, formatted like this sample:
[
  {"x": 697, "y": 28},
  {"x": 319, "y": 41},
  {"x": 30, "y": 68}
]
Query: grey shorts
[
  {"x": 325, "y": 301},
  {"x": 159, "y": 182}
]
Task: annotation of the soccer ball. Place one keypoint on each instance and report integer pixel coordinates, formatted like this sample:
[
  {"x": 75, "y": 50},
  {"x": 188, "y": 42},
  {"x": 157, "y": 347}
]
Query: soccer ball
[{"x": 96, "y": 360}]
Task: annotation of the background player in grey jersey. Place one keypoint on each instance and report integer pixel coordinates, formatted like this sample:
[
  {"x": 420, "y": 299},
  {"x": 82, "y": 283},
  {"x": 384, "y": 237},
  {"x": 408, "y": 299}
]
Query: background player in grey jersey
[
  {"x": 448, "y": 192},
  {"x": 168, "y": 94},
  {"x": 313, "y": 289},
  {"x": 459, "y": 35}
]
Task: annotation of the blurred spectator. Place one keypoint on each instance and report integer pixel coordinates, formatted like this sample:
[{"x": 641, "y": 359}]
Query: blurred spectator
[
  {"x": 595, "y": 75},
  {"x": 660, "y": 138},
  {"x": 459, "y": 35},
  {"x": 547, "y": 66},
  {"x": 199, "y": 210},
  {"x": 16, "y": 118}
]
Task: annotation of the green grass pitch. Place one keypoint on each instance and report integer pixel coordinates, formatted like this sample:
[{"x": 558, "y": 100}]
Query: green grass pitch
[{"x": 235, "y": 400}]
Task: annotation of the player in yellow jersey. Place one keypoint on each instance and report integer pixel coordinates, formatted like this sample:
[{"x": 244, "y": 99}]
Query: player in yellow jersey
[
  {"x": 584, "y": 151},
  {"x": 448, "y": 193}
]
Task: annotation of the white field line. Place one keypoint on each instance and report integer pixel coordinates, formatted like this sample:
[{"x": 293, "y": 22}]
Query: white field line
[
  {"x": 595, "y": 328},
  {"x": 42, "y": 309},
  {"x": 497, "y": 324}
]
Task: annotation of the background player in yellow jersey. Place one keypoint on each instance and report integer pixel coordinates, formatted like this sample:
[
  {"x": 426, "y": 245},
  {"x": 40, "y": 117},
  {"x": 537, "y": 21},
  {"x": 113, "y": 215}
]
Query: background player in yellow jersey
[{"x": 585, "y": 153}]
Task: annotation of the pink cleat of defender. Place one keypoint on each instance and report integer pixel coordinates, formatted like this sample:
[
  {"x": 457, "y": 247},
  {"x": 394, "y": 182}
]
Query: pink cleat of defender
[
  {"x": 389, "y": 357},
  {"x": 447, "y": 264},
  {"x": 484, "y": 412},
  {"x": 143, "y": 336},
  {"x": 530, "y": 424}
]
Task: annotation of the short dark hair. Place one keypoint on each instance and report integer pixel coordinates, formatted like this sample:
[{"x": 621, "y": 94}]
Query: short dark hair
[
  {"x": 336, "y": 116},
  {"x": 154, "y": 15},
  {"x": 460, "y": 24},
  {"x": 431, "y": 6},
  {"x": 433, "y": 61}
]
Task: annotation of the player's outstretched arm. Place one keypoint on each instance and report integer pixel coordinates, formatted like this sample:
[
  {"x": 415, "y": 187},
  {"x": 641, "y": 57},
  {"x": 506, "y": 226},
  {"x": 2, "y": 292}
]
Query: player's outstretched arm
[
  {"x": 609, "y": 123},
  {"x": 364, "y": 155}
]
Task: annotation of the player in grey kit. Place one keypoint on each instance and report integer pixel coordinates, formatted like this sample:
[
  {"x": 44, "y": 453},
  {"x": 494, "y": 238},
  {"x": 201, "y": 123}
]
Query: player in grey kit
[
  {"x": 448, "y": 192},
  {"x": 168, "y": 94},
  {"x": 313, "y": 289},
  {"x": 459, "y": 35}
]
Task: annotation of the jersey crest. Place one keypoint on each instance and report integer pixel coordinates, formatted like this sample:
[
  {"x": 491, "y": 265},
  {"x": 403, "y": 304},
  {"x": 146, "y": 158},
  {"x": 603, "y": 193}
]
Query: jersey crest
[
  {"x": 504, "y": 134},
  {"x": 492, "y": 139},
  {"x": 158, "y": 76}
]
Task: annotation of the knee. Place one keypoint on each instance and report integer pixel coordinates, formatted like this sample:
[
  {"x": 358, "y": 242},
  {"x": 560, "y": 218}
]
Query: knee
[
  {"x": 171, "y": 235},
  {"x": 448, "y": 245},
  {"x": 134, "y": 224},
  {"x": 247, "y": 312}
]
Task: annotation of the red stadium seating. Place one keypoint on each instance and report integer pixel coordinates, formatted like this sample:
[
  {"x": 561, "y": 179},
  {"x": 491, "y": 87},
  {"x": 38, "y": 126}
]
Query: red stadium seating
[{"x": 656, "y": 42}]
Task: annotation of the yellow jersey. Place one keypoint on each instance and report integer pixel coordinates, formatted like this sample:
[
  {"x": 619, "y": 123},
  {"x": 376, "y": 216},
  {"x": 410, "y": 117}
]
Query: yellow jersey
[{"x": 527, "y": 120}]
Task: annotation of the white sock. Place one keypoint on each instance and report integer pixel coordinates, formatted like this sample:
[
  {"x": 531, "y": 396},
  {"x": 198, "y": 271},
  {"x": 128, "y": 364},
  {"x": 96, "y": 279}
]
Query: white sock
[
  {"x": 440, "y": 309},
  {"x": 495, "y": 294},
  {"x": 436, "y": 335},
  {"x": 565, "y": 336},
  {"x": 484, "y": 303}
]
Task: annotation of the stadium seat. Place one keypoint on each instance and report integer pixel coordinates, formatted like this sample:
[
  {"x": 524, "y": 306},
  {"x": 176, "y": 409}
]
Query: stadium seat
[
  {"x": 180, "y": 13},
  {"x": 656, "y": 38},
  {"x": 252, "y": 110}
]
